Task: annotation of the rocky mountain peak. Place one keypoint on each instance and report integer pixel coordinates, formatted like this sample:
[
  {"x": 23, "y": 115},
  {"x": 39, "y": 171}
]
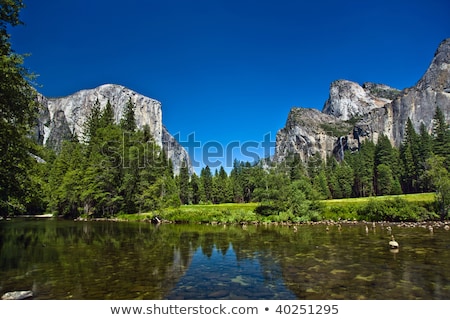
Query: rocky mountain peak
[
  {"x": 437, "y": 77},
  {"x": 356, "y": 113},
  {"x": 77, "y": 106},
  {"x": 348, "y": 99},
  {"x": 60, "y": 118}
]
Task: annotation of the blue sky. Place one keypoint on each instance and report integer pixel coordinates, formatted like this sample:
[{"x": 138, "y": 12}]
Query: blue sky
[{"x": 228, "y": 71}]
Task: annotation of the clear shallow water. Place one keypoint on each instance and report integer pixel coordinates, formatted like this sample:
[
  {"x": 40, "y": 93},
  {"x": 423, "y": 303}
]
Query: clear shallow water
[{"x": 110, "y": 260}]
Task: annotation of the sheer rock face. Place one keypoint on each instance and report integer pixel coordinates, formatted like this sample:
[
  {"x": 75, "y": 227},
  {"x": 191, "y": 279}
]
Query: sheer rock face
[
  {"x": 354, "y": 113},
  {"x": 307, "y": 133},
  {"x": 348, "y": 99},
  {"x": 63, "y": 117},
  {"x": 419, "y": 102}
]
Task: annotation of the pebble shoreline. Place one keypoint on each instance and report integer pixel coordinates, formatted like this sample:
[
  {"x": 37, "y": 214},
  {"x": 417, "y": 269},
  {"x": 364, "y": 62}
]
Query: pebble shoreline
[{"x": 422, "y": 224}]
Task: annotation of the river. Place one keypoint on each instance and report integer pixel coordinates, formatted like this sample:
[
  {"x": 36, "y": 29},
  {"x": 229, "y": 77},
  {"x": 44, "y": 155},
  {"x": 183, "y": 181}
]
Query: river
[{"x": 59, "y": 259}]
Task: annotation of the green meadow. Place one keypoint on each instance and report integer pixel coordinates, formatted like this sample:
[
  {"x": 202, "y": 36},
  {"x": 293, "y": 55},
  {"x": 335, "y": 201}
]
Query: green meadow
[{"x": 411, "y": 207}]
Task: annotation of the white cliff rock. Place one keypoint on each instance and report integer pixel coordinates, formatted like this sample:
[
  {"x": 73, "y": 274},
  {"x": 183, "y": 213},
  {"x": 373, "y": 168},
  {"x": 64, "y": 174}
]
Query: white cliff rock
[
  {"x": 348, "y": 99},
  {"x": 60, "y": 118},
  {"x": 77, "y": 106}
]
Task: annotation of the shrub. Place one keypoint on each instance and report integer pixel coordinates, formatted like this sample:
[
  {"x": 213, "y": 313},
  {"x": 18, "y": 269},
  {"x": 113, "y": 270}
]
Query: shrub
[
  {"x": 267, "y": 210},
  {"x": 395, "y": 210}
]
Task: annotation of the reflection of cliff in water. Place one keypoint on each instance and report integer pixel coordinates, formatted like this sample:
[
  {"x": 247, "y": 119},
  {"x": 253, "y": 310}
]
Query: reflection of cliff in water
[
  {"x": 233, "y": 263},
  {"x": 107, "y": 260}
]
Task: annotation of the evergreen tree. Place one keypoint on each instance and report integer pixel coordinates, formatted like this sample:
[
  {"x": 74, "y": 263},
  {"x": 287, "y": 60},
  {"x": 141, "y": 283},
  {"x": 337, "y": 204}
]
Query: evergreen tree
[
  {"x": 298, "y": 204},
  {"x": 361, "y": 163},
  {"x": 314, "y": 165},
  {"x": 278, "y": 190},
  {"x": 194, "y": 187},
  {"x": 152, "y": 170},
  {"x": 18, "y": 111},
  {"x": 128, "y": 121},
  {"x": 92, "y": 123},
  {"x": 366, "y": 171},
  {"x": 184, "y": 183},
  {"x": 333, "y": 183},
  {"x": 295, "y": 166},
  {"x": 129, "y": 185},
  {"x": 235, "y": 181},
  {"x": 65, "y": 181},
  {"x": 425, "y": 149},
  {"x": 441, "y": 136},
  {"x": 222, "y": 187},
  {"x": 344, "y": 178},
  {"x": 107, "y": 116},
  {"x": 385, "y": 180},
  {"x": 207, "y": 183},
  {"x": 247, "y": 181},
  {"x": 387, "y": 155},
  {"x": 103, "y": 174},
  {"x": 320, "y": 184},
  {"x": 409, "y": 154}
]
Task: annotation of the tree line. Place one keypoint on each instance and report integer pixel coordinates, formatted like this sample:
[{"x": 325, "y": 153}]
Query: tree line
[
  {"x": 117, "y": 168},
  {"x": 421, "y": 164}
]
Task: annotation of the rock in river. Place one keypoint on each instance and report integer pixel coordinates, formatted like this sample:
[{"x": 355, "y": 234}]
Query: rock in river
[{"x": 17, "y": 295}]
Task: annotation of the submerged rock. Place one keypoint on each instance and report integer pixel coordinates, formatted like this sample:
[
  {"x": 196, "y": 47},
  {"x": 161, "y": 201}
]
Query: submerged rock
[{"x": 17, "y": 295}]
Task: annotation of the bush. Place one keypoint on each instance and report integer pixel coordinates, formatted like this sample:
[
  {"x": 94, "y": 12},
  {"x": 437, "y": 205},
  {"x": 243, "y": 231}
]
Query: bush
[
  {"x": 395, "y": 210},
  {"x": 349, "y": 212},
  {"x": 267, "y": 210}
]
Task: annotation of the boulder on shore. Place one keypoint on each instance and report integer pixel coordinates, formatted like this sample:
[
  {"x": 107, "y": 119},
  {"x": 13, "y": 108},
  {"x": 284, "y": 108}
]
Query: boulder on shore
[{"x": 17, "y": 295}]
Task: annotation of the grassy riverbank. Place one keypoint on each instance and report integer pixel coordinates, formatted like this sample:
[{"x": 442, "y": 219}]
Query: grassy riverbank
[
  {"x": 412, "y": 207},
  {"x": 354, "y": 208}
]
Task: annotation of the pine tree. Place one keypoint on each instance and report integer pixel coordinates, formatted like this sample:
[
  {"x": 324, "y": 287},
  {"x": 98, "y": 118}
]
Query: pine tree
[
  {"x": 194, "y": 187},
  {"x": 207, "y": 183},
  {"x": 92, "y": 123},
  {"x": 65, "y": 181},
  {"x": 18, "y": 111},
  {"x": 385, "y": 180},
  {"x": 320, "y": 184},
  {"x": 235, "y": 181},
  {"x": 409, "y": 154},
  {"x": 295, "y": 167},
  {"x": 221, "y": 187},
  {"x": 128, "y": 121},
  {"x": 441, "y": 136},
  {"x": 315, "y": 165},
  {"x": 107, "y": 116},
  {"x": 385, "y": 154},
  {"x": 184, "y": 183},
  {"x": 129, "y": 185},
  {"x": 103, "y": 174},
  {"x": 425, "y": 149},
  {"x": 344, "y": 178}
]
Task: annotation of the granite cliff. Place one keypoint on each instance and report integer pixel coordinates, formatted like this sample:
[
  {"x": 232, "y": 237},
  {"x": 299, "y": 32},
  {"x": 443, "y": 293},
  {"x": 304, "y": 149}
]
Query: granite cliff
[
  {"x": 354, "y": 112},
  {"x": 61, "y": 118}
]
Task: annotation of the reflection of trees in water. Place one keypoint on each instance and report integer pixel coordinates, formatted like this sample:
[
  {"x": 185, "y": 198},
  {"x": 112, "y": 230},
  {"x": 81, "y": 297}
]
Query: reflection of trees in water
[
  {"x": 106, "y": 260},
  {"x": 97, "y": 260}
]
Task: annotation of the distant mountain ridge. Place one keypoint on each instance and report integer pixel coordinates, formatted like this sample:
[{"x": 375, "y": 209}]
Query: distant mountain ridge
[
  {"x": 353, "y": 113},
  {"x": 61, "y": 118}
]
